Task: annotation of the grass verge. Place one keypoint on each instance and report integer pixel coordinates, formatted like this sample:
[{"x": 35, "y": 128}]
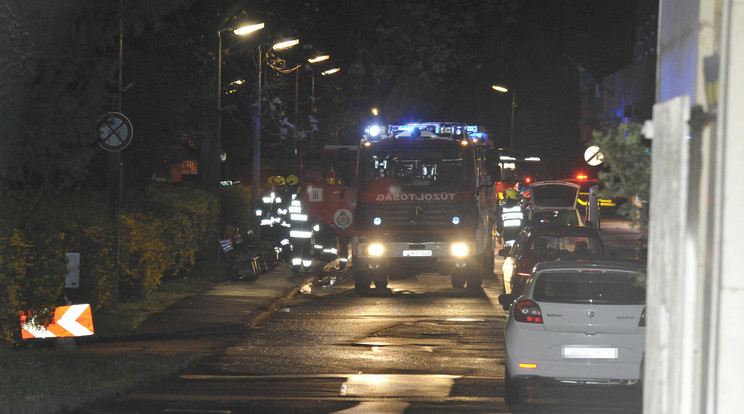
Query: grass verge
[{"x": 34, "y": 374}]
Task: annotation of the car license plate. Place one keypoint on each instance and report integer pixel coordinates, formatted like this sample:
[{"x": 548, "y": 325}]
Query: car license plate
[
  {"x": 416, "y": 253},
  {"x": 570, "y": 352}
]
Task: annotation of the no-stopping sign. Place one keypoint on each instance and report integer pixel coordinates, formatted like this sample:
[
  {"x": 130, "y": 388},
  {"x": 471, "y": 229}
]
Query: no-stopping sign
[{"x": 114, "y": 131}]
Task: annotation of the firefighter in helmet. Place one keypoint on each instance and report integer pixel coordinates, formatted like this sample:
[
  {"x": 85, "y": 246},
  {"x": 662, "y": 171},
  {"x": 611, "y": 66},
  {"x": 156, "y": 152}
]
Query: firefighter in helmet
[
  {"x": 293, "y": 186},
  {"x": 511, "y": 217}
]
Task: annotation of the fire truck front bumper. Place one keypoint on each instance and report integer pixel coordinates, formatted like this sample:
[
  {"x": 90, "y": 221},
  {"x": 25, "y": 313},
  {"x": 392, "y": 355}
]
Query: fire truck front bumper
[{"x": 438, "y": 256}]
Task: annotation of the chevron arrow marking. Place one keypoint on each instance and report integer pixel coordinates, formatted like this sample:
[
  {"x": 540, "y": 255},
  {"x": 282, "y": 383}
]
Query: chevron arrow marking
[{"x": 73, "y": 320}]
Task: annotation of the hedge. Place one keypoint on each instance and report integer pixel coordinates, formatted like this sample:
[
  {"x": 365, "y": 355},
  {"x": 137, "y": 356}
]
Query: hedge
[{"x": 164, "y": 230}]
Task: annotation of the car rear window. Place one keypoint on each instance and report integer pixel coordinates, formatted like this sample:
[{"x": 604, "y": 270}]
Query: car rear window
[
  {"x": 554, "y": 195},
  {"x": 583, "y": 287}
]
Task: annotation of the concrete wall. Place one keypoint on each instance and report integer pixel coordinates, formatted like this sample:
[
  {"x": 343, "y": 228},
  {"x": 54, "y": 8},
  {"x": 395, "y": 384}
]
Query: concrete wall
[{"x": 696, "y": 265}]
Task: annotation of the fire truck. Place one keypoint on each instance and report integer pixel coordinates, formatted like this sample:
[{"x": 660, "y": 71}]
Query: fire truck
[{"x": 409, "y": 199}]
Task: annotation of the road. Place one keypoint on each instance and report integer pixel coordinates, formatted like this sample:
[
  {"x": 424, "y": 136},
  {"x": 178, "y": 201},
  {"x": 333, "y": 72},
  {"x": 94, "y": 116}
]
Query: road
[{"x": 418, "y": 346}]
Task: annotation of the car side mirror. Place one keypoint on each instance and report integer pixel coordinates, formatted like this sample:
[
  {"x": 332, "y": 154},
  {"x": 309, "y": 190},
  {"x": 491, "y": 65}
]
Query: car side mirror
[{"x": 504, "y": 251}]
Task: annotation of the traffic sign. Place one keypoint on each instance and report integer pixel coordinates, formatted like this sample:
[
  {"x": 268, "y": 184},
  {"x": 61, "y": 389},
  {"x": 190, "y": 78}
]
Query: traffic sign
[
  {"x": 592, "y": 156},
  {"x": 69, "y": 321},
  {"x": 114, "y": 131}
]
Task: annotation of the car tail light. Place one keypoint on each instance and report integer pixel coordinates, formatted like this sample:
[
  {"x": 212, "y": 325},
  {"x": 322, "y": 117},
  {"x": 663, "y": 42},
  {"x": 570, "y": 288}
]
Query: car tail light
[
  {"x": 526, "y": 310},
  {"x": 642, "y": 322},
  {"x": 523, "y": 274}
]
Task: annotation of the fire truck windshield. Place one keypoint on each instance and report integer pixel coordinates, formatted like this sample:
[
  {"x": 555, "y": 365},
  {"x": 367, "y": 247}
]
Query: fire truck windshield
[{"x": 422, "y": 167}]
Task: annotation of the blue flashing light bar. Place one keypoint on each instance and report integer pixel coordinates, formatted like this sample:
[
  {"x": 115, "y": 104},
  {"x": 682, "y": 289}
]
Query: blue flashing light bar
[{"x": 452, "y": 130}]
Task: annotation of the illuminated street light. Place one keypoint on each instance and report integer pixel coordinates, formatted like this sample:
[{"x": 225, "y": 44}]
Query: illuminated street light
[
  {"x": 319, "y": 58},
  {"x": 330, "y": 71},
  {"x": 503, "y": 89},
  {"x": 241, "y": 31},
  {"x": 286, "y": 44},
  {"x": 248, "y": 29},
  {"x": 375, "y": 112}
]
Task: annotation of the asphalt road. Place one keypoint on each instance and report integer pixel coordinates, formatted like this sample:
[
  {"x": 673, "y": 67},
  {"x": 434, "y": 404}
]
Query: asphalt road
[{"x": 418, "y": 346}]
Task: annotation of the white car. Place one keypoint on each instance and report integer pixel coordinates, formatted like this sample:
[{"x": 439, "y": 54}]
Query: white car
[{"x": 579, "y": 321}]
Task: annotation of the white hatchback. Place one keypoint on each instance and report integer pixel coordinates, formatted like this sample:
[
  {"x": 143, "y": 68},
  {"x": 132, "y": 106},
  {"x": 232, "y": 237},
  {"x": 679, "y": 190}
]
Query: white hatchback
[{"x": 577, "y": 321}]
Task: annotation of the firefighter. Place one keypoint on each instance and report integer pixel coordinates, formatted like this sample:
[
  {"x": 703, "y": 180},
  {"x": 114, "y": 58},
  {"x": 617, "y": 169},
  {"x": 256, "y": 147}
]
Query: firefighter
[
  {"x": 293, "y": 186},
  {"x": 511, "y": 217},
  {"x": 273, "y": 210},
  {"x": 300, "y": 236}
]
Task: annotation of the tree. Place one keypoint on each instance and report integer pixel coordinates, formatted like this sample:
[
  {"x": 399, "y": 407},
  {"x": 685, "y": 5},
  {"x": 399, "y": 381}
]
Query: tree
[{"x": 627, "y": 170}]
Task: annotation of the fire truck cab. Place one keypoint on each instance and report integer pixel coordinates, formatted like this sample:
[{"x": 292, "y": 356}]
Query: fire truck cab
[{"x": 411, "y": 199}]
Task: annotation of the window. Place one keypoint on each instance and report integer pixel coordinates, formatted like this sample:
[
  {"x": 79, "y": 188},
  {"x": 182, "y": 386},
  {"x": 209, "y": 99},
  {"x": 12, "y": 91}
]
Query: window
[{"x": 601, "y": 288}]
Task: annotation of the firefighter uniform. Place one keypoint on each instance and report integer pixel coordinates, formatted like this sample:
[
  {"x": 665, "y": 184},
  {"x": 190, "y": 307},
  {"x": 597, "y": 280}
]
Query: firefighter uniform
[{"x": 511, "y": 217}]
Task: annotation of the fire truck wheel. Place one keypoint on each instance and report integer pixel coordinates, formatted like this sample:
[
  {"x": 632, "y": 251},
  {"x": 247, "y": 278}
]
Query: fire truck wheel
[
  {"x": 381, "y": 280},
  {"x": 361, "y": 283},
  {"x": 458, "y": 280},
  {"x": 474, "y": 282}
]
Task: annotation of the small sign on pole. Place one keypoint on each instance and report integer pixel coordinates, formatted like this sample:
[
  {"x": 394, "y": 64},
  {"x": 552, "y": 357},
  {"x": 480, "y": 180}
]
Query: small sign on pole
[
  {"x": 72, "y": 280},
  {"x": 114, "y": 131}
]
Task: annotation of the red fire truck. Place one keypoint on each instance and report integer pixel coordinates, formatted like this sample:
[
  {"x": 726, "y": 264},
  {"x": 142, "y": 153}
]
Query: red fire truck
[{"x": 411, "y": 199}]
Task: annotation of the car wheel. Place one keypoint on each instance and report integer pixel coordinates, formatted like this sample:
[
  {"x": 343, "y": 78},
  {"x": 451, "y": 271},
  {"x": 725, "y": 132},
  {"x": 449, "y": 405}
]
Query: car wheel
[{"x": 514, "y": 389}]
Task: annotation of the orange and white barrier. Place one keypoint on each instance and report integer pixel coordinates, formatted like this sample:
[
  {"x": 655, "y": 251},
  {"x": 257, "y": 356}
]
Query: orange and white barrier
[{"x": 69, "y": 321}]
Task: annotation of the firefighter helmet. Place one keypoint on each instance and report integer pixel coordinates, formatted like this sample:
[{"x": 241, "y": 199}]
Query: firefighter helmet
[
  {"x": 511, "y": 194},
  {"x": 292, "y": 180},
  {"x": 276, "y": 179}
]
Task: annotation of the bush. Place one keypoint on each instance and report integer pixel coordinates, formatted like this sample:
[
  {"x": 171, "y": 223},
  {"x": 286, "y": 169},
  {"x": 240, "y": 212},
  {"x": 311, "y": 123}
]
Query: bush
[
  {"x": 627, "y": 170},
  {"x": 164, "y": 231},
  {"x": 236, "y": 206}
]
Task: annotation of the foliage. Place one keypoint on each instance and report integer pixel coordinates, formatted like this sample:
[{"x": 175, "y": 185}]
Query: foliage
[
  {"x": 627, "y": 170},
  {"x": 235, "y": 202},
  {"x": 58, "y": 76},
  {"x": 32, "y": 265},
  {"x": 164, "y": 232}
]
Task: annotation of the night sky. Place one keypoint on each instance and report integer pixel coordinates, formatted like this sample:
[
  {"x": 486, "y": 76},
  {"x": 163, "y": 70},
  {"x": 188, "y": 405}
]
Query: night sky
[{"x": 526, "y": 52}]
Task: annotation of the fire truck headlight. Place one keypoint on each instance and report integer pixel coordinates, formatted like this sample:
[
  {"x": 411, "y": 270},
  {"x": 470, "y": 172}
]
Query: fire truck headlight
[
  {"x": 377, "y": 221},
  {"x": 375, "y": 250},
  {"x": 459, "y": 249},
  {"x": 455, "y": 220}
]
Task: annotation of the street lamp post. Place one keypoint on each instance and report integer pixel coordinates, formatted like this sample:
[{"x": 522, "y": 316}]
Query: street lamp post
[
  {"x": 256, "y": 178},
  {"x": 241, "y": 31},
  {"x": 503, "y": 89}
]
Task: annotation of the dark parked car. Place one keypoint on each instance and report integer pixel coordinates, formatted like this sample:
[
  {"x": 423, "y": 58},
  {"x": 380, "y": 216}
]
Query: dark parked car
[{"x": 539, "y": 243}]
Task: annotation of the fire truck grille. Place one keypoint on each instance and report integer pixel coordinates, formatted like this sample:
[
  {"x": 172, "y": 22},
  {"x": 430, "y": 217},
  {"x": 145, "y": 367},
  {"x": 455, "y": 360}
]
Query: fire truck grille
[{"x": 413, "y": 216}]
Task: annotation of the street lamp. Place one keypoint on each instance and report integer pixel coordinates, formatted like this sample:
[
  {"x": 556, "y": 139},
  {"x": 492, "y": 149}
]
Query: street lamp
[
  {"x": 241, "y": 31},
  {"x": 502, "y": 89},
  {"x": 256, "y": 179}
]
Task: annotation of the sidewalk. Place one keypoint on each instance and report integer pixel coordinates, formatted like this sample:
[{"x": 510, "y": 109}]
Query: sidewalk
[
  {"x": 228, "y": 308},
  {"x": 619, "y": 237}
]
